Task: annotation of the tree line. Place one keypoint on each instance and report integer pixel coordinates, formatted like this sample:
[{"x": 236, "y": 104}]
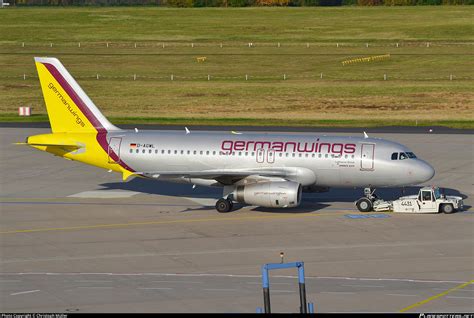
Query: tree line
[{"x": 236, "y": 3}]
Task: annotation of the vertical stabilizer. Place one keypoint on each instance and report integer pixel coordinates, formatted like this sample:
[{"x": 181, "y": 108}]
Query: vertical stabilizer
[{"x": 69, "y": 108}]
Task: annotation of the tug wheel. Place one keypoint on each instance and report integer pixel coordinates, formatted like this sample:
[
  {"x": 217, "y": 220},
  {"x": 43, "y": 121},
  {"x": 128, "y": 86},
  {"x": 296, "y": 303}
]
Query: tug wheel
[
  {"x": 364, "y": 205},
  {"x": 447, "y": 208}
]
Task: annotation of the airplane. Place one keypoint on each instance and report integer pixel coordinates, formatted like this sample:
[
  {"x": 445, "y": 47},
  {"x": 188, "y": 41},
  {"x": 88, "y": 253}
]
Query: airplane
[{"x": 267, "y": 170}]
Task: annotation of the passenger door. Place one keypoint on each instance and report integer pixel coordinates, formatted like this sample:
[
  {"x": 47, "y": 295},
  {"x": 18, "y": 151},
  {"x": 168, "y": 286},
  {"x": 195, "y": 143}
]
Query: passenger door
[
  {"x": 367, "y": 157},
  {"x": 114, "y": 149}
]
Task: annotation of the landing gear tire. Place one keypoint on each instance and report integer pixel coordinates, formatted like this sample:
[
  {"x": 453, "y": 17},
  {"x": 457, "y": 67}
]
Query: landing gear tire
[
  {"x": 364, "y": 205},
  {"x": 447, "y": 208},
  {"x": 224, "y": 205}
]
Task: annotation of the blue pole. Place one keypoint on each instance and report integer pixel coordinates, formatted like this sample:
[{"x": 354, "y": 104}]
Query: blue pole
[
  {"x": 266, "y": 289},
  {"x": 303, "y": 306}
]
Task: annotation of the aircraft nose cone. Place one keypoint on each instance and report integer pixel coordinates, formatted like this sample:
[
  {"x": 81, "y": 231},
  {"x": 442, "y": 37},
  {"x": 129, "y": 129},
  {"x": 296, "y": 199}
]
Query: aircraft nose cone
[{"x": 425, "y": 172}]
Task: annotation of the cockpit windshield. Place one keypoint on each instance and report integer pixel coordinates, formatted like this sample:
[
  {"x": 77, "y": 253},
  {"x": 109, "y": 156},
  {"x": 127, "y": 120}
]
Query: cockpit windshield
[{"x": 403, "y": 155}]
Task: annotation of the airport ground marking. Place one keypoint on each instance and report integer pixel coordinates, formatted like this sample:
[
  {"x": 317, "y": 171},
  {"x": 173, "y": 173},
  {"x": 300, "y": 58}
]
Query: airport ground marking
[
  {"x": 118, "y": 225},
  {"x": 156, "y": 274},
  {"x": 437, "y": 296},
  {"x": 25, "y": 292}
]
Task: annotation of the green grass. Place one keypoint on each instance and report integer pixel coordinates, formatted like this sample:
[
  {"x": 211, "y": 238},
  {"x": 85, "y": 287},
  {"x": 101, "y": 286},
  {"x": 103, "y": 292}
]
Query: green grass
[
  {"x": 320, "y": 24},
  {"x": 418, "y": 86},
  {"x": 231, "y": 121}
]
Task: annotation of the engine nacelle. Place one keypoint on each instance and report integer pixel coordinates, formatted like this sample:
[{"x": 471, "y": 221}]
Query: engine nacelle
[{"x": 276, "y": 194}]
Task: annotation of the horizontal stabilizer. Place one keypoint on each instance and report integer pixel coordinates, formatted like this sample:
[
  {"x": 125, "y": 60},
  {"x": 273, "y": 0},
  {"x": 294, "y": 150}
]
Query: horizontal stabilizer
[
  {"x": 62, "y": 145},
  {"x": 57, "y": 145}
]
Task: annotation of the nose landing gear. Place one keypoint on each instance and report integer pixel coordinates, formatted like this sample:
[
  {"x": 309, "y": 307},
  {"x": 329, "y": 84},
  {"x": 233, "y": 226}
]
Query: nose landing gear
[{"x": 366, "y": 203}]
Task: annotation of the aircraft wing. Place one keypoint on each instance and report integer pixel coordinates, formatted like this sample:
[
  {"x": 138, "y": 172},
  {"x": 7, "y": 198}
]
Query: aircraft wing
[{"x": 224, "y": 176}]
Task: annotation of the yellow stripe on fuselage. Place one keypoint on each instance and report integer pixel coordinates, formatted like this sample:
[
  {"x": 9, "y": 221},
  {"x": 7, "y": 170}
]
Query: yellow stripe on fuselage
[{"x": 89, "y": 151}]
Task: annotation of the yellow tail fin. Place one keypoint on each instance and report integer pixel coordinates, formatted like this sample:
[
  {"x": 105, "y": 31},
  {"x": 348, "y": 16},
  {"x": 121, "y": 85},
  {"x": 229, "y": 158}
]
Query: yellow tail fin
[{"x": 69, "y": 108}]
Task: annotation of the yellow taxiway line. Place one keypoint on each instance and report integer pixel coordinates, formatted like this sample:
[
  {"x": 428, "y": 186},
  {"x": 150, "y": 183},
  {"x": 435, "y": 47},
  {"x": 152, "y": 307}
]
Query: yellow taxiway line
[
  {"x": 222, "y": 219},
  {"x": 437, "y": 296}
]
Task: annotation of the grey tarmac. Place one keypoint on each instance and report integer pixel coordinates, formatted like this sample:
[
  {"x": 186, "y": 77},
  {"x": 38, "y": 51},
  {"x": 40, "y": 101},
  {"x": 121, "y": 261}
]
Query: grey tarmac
[{"x": 75, "y": 238}]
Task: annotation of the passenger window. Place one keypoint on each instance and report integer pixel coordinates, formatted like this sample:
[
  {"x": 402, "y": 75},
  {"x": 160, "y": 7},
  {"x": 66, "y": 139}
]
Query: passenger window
[
  {"x": 149, "y": 151},
  {"x": 143, "y": 150},
  {"x": 189, "y": 152},
  {"x": 403, "y": 156},
  {"x": 131, "y": 150},
  {"x": 156, "y": 151},
  {"x": 395, "y": 156},
  {"x": 214, "y": 153}
]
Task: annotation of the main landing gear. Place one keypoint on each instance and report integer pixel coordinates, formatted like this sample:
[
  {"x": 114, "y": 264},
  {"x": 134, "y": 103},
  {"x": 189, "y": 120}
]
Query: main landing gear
[
  {"x": 224, "y": 205},
  {"x": 366, "y": 203}
]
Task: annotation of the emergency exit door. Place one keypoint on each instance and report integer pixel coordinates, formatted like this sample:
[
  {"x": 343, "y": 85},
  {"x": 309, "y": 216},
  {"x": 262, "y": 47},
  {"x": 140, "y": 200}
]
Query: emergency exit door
[
  {"x": 260, "y": 155},
  {"x": 367, "y": 157}
]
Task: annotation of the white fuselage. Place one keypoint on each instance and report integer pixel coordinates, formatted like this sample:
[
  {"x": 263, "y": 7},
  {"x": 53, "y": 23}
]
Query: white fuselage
[{"x": 311, "y": 159}]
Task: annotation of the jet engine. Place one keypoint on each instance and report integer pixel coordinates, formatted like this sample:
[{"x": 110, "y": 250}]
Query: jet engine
[{"x": 275, "y": 194}]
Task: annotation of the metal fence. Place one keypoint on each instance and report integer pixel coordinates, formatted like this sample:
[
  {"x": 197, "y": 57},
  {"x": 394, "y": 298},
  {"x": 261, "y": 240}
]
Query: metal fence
[
  {"x": 248, "y": 77},
  {"x": 164, "y": 44}
]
